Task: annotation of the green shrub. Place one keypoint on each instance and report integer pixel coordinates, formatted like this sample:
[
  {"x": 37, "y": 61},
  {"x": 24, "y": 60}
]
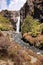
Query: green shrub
[
  {"x": 30, "y": 25},
  {"x": 26, "y": 26},
  {"x": 35, "y": 28},
  {"x": 5, "y": 24}
]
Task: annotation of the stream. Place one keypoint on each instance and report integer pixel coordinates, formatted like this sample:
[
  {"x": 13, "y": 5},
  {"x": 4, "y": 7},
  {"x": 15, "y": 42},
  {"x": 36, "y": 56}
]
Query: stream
[{"x": 18, "y": 39}]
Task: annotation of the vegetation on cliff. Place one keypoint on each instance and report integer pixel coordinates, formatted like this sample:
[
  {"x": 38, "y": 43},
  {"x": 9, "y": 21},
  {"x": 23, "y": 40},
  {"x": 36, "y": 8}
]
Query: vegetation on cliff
[
  {"x": 30, "y": 25},
  {"x": 8, "y": 19},
  {"x": 32, "y": 31},
  {"x": 5, "y": 24}
]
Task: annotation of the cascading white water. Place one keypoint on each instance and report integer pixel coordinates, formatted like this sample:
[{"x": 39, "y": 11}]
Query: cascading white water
[{"x": 18, "y": 24}]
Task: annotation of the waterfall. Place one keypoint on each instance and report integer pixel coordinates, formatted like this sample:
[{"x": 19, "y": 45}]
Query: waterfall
[{"x": 18, "y": 24}]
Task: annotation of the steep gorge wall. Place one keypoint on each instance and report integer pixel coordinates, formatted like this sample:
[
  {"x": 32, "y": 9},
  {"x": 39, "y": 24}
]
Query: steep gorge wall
[{"x": 34, "y": 8}]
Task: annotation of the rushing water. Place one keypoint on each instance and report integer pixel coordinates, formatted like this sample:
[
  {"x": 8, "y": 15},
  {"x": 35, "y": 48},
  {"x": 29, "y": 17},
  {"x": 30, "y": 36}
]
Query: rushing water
[{"x": 18, "y": 25}]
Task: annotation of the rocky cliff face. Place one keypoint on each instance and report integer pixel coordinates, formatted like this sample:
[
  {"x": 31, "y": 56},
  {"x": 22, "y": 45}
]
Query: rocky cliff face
[
  {"x": 34, "y": 8},
  {"x": 11, "y": 15}
]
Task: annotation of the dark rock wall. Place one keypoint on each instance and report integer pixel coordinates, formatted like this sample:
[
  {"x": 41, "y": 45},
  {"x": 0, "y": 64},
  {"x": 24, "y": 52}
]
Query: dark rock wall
[
  {"x": 34, "y": 8},
  {"x": 38, "y": 9}
]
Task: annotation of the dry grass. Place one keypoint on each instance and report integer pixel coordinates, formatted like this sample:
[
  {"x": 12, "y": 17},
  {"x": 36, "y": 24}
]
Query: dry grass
[
  {"x": 37, "y": 41},
  {"x": 17, "y": 54}
]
